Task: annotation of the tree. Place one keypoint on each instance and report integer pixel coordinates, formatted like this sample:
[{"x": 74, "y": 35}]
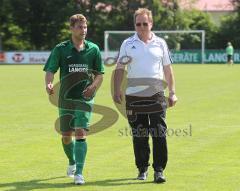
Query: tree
[
  {"x": 229, "y": 31},
  {"x": 11, "y": 33},
  {"x": 198, "y": 20},
  {"x": 230, "y": 28},
  {"x": 39, "y": 25},
  {"x": 41, "y": 20}
]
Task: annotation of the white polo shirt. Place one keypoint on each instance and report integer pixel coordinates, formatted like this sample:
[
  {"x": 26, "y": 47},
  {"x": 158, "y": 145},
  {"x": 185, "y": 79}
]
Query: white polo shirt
[{"x": 147, "y": 62}]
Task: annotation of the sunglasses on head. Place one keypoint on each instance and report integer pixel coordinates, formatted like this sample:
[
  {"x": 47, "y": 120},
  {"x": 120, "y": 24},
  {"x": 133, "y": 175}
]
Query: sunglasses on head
[{"x": 143, "y": 24}]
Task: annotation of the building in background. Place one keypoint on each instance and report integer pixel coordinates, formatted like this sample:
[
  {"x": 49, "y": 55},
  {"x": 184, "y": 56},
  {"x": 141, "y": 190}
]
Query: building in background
[{"x": 216, "y": 8}]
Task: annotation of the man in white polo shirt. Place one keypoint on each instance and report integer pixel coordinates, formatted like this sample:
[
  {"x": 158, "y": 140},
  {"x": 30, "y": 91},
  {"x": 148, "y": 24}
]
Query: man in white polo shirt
[{"x": 148, "y": 62}]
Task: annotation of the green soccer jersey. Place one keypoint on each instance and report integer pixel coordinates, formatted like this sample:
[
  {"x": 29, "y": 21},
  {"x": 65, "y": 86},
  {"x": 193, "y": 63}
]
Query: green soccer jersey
[
  {"x": 229, "y": 50},
  {"x": 76, "y": 67}
]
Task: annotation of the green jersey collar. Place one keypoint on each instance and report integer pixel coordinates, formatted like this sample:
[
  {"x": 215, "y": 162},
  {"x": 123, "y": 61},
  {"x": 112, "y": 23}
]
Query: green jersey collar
[{"x": 72, "y": 45}]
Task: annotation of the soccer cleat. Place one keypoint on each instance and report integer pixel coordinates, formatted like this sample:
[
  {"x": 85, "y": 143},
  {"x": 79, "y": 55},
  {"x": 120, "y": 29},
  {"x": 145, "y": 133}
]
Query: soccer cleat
[
  {"x": 71, "y": 170},
  {"x": 78, "y": 179},
  {"x": 142, "y": 175},
  {"x": 158, "y": 177}
]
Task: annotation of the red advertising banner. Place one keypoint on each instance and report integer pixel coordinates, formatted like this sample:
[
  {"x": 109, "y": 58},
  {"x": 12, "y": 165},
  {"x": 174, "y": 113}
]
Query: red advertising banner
[{"x": 2, "y": 57}]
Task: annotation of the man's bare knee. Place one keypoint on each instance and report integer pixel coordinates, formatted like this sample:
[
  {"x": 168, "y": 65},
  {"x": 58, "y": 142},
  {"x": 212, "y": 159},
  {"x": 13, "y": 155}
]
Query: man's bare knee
[
  {"x": 67, "y": 137},
  {"x": 80, "y": 133}
]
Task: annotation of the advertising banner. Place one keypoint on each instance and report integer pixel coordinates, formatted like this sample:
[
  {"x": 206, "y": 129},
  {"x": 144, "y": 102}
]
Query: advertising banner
[
  {"x": 2, "y": 57},
  {"x": 182, "y": 56},
  {"x": 26, "y": 57}
]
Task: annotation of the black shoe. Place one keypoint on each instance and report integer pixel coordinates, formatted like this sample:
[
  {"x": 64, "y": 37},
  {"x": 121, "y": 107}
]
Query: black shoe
[
  {"x": 158, "y": 177},
  {"x": 142, "y": 175}
]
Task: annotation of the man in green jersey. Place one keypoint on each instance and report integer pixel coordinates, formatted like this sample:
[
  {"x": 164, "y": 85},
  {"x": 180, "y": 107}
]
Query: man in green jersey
[
  {"x": 229, "y": 51},
  {"x": 81, "y": 70}
]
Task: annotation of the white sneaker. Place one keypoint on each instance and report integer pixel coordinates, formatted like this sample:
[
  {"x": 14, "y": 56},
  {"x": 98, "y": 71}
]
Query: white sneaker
[
  {"x": 78, "y": 179},
  {"x": 71, "y": 170}
]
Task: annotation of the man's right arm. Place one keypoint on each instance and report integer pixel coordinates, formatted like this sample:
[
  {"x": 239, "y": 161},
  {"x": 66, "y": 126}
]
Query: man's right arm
[
  {"x": 49, "y": 82},
  {"x": 118, "y": 77},
  {"x": 51, "y": 68}
]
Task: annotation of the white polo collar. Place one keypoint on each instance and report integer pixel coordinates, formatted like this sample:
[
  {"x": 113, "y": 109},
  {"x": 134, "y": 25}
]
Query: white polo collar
[{"x": 135, "y": 37}]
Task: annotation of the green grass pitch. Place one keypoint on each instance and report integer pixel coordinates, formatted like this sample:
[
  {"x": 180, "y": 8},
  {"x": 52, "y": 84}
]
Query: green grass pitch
[{"x": 205, "y": 157}]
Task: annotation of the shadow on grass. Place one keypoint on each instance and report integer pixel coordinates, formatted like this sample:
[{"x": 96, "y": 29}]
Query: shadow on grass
[
  {"x": 117, "y": 182},
  {"x": 29, "y": 185},
  {"x": 33, "y": 184}
]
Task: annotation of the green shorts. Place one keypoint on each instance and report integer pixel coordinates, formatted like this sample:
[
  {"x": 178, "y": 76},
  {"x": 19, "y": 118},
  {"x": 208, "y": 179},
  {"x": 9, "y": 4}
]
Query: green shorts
[{"x": 76, "y": 115}]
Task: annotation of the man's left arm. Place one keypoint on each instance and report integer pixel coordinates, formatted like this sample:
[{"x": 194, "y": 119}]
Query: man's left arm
[
  {"x": 169, "y": 76},
  {"x": 98, "y": 75},
  {"x": 90, "y": 90}
]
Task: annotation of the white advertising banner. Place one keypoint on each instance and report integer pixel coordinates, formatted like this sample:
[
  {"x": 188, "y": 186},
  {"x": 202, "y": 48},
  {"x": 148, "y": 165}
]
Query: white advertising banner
[{"x": 26, "y": 57}]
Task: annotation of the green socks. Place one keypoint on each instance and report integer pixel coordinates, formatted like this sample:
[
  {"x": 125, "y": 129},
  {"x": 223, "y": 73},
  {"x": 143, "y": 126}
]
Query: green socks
[
  {"x": 80, "y": 151},
  {"x": 76, "y": 152},
  {"x": 68, "y": 149}
]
